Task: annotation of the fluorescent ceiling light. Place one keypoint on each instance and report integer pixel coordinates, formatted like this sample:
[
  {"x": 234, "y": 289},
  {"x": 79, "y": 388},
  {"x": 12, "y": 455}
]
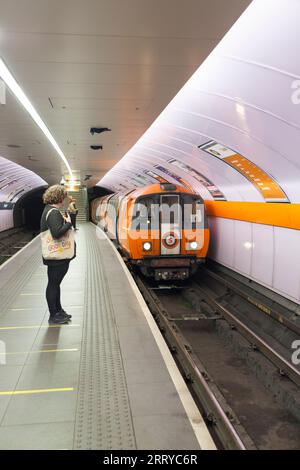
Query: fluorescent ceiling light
[{"x": 10, "y": 81}]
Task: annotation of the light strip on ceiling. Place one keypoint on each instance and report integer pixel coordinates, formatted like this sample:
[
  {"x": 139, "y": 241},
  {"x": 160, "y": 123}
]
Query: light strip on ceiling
[{"x": 10, "y": 81}]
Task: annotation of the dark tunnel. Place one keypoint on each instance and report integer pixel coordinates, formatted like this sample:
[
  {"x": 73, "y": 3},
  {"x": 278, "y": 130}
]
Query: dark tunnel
[{"x": 28, "y": 210}]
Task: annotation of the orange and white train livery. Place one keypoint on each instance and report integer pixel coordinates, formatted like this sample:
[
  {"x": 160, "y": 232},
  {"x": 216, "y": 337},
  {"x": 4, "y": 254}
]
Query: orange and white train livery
[{"x": 161, "y": 228}]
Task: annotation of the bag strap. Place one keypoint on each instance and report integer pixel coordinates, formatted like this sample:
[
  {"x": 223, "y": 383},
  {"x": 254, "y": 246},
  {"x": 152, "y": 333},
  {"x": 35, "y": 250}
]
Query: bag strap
[{"x": 52, "y": 209}]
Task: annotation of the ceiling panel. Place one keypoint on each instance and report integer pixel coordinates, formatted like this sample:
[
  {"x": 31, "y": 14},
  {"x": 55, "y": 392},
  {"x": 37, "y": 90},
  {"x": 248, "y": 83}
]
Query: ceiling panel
[
  {"x": 105, "y": 49},
  {"x": 237, "y": 118},
  {"x": 148, "y": 18},
  {"x": 109, "y": 63},
  {"x": 101, "y": 104},
  {"x": 137, "y": 74}
]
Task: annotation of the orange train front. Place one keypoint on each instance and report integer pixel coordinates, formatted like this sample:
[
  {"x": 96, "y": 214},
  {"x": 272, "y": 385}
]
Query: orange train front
[{"x": 161, "y": 228}]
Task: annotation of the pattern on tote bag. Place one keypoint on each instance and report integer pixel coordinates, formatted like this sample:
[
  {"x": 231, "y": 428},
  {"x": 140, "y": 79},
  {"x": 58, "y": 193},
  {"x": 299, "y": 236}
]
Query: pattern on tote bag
[
  {"x": 55, "y": 246},
  {"x": 53, "y": 249}
]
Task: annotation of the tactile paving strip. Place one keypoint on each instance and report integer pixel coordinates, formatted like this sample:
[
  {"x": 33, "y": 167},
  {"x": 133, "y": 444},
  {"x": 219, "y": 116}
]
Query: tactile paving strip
[
  {"x": 10, "y": 291},
  {"x": 103, "y": 416}
]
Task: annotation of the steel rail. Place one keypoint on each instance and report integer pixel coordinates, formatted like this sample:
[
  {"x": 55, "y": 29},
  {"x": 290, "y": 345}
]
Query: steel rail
[
  {"x": 285, "y": 367},
  {"x": 270, "y": 311},
  {"x": 224, "y": 428}
]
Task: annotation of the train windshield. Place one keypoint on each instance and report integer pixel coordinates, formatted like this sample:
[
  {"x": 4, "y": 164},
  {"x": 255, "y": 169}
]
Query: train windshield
[{"x": 182, "y": 210}]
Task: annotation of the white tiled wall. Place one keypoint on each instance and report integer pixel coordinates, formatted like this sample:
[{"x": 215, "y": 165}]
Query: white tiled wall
[
  {"x": 243, "y": 247},
  {"x": 223, "y": 241},
  {"x": 269, "y": 255},
  {"x": 262, "y": 254},
  {"x": 6, "y": 220},
  {"x": 287, "y": 261}
]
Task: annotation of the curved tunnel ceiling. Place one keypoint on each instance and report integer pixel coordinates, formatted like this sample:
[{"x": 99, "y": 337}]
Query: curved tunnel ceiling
[
  {"x": 232, "y": 132},
  {"x": 15, "y": 182},
  {"x": 108, "y": 63}
]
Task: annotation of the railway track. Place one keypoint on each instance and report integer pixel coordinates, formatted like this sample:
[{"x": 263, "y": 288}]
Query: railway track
[
  {"x": 270, "y": 329},
  {"x": 285, "y": 367},
  {"x": 258, "y": 301},
  {"x": 193, "y": 319},
  {"x": 12, "y": 240}
]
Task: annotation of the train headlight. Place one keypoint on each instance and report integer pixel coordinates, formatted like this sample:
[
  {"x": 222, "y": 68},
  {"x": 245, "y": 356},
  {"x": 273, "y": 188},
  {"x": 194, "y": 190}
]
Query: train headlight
[
  {"x": 193, "y": 245},
  {"x": 147, "y": 246}
]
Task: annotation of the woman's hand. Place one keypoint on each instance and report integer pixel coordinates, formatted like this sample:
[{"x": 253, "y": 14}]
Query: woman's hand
[{"x": 67, "y": 218}]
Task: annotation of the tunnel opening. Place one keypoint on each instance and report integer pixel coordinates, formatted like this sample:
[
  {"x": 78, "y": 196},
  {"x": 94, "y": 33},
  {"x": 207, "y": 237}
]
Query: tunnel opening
[{"x": 28, "y": 210}]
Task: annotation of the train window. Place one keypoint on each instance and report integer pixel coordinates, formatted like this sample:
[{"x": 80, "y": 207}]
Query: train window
[
  {"x": 170, "y": 209},
  {"x": 111, "y": 211},
  {"x": 198, "y": 215},
  {"x": 112, "y": 207},
  {"x": 193, "y": 213},
  {"x": 144, "y": 211}
]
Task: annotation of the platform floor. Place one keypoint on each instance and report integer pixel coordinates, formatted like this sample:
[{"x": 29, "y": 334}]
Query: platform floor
[{"x": 106, "y": 380}]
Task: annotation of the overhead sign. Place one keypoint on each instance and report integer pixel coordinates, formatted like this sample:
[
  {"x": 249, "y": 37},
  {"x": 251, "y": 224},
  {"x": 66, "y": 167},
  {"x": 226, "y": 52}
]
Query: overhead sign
[
  {"x": 264, "y": 183},
  {"x": 177, "y": 178},
  {"x": 6, "y": 205},
  {"x": 211, "y": 187},
  {"x": 155, "y": 176},
  {"x": 72, "y": 184}
]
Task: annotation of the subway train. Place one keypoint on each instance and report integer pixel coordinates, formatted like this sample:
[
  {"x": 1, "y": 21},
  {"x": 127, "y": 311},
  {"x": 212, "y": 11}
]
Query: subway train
[{"x": 162, "y": 228}]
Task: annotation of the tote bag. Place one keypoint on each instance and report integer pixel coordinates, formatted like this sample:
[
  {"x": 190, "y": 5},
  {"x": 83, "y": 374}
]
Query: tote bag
[{"x": 53, "y": 249}]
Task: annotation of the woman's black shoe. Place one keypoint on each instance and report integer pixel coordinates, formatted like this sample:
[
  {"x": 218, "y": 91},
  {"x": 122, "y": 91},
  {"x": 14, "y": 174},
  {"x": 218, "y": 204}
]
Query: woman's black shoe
[
  {"x": 63, "y": 312},
  {"x": 58, "y": 319}
]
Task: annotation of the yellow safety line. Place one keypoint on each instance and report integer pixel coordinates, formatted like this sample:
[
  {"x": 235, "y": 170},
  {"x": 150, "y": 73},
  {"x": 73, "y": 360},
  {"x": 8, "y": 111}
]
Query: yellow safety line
[
  {"x": 75, "y": 306},
  {"x": 46, "y": 390},
  {"x": 36, "y": 326},
  {"x": 31, "y": 293},
  {"x": 39, "y": 351},
  {"x": 27, "y": 308},
  {"x": 42, "y": 293}
]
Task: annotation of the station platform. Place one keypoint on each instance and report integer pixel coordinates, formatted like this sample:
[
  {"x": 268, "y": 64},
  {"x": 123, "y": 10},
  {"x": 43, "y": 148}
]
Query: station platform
[{"x": 106, "y": 380}]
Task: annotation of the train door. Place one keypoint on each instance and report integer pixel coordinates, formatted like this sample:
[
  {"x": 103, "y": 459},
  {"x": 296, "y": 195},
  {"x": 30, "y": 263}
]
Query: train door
[{"x": 170, "y": 224}]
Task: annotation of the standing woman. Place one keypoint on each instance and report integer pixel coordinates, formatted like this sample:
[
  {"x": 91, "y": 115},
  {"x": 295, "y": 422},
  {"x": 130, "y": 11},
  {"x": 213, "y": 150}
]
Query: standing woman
[
  {"x": 73, "y": 211},
  {"x": 58, "y": 249}
]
